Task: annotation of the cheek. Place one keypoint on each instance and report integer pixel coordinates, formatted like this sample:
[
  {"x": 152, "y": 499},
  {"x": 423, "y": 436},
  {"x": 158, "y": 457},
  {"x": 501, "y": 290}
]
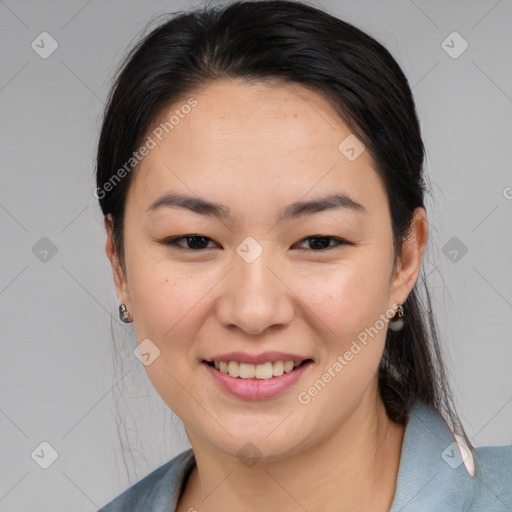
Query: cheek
[
  {"x": 348, "y": 308},
  {"x": 165, "y": 297},
  {"x": 167, "y": 300},
  {"x": 348, "y": 299}
]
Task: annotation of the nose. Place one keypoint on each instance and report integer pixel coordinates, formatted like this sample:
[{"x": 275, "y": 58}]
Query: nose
[{"x": 255, "y": 297}]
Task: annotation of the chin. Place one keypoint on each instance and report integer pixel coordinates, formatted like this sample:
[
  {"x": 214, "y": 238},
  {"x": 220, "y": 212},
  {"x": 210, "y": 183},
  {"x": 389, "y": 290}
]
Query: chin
[{"x": 253, "y": 444}]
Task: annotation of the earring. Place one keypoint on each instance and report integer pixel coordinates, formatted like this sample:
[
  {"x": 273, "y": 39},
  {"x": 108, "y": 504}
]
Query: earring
[
  {"x": 124, "y": 315},
  {"x": 396, "y": 325}
]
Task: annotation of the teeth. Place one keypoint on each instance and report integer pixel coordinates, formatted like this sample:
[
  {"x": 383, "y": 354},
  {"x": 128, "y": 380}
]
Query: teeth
[
  {"x": 259, "y": 371},
  {"x": 247, "y": 371},
  {"x": 233, "y": 369},
  {"x": 278, "y": 368}
]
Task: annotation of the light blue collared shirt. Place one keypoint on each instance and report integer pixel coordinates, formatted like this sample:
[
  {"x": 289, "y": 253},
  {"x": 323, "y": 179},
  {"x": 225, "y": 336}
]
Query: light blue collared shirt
[{"x": 434, "y": 475}]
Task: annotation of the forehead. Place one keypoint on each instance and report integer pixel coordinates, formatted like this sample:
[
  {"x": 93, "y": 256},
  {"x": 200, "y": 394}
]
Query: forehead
[{"x": 256, "y": 141}]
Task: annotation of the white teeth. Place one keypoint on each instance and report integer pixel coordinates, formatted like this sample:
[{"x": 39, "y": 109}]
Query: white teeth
[
  {"x": 259, "y": 371},
  {"x": 264, "y": 371},
  {"x": 288, "y": 366},
  {"x": 278, "y": 368},
  {"x": 247, "y": 371},
  {"x": 233, "y": 369}
]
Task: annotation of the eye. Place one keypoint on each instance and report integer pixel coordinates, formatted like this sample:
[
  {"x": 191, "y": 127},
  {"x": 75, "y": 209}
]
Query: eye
[
  {"x": 200, "y": 242},
  {"x": 321, "y": 243},
  {"x": 194, "y": 242}
]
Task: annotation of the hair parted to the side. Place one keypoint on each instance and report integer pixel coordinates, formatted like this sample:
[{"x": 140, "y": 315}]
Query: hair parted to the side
[{"x": 288, "y": 41}]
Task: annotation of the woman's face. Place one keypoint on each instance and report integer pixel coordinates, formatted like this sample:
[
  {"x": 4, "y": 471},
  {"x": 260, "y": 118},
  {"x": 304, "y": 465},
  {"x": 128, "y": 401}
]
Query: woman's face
[{"x": 254, "y": 280}]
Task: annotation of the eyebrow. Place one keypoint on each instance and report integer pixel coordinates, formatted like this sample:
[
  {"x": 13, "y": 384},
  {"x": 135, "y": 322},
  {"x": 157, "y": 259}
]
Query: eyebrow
[{"x": 294, "y": 210}]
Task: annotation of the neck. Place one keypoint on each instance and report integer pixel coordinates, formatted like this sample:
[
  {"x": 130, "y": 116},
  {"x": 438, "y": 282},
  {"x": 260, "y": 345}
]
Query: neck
[{"x": 355, "y": 468}]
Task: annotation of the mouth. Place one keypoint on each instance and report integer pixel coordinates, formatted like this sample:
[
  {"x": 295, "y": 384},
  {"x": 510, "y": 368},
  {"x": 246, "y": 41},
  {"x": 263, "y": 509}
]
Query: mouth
[{"x": 263, "y": 371}]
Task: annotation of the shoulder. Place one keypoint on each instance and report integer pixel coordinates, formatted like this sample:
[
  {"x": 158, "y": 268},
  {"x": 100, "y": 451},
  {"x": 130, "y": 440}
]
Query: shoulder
[
  {"x": 492, "y": 485},
  {"x": 159, "y": 491},
  {"x": 438, "y": 471}
]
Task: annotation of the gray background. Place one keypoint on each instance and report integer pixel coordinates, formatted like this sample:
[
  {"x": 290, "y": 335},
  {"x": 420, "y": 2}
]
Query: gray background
[{"x": 57, "y": 311}]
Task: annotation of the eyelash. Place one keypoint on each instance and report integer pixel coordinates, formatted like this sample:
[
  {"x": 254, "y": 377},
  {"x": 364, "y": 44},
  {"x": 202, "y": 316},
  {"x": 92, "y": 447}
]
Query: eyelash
[{"x": 174, "y": 241}]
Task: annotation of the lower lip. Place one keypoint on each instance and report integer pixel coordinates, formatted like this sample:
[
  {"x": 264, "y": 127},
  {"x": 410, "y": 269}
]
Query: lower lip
[{"x": 258, "y": 389}]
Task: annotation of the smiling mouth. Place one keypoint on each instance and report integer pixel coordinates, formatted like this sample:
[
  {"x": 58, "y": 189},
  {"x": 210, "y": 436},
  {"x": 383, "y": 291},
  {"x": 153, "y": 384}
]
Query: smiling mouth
[{"x": 262, "y": 371}]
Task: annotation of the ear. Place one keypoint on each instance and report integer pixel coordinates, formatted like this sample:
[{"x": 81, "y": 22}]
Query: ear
[
  {"x": 409, "y": 265},
  {"x": 120, "y": 280}
]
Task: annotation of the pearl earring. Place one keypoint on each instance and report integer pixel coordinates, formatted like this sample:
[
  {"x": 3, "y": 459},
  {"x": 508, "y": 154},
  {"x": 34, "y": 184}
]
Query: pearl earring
[{"x": 396, "y": 325}]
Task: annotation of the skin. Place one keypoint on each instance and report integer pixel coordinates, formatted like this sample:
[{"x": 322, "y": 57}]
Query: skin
[{"x": 257, "y": 148}]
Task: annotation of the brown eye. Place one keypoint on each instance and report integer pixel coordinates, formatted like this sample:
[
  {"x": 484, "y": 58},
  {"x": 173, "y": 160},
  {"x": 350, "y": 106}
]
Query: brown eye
[
  {"x": 320, "y": 243},
  {"x": 189, "y": 242}
]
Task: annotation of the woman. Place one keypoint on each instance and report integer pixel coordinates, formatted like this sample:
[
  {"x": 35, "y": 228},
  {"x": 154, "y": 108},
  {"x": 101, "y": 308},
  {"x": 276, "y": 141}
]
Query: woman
[{"x": 260, "y": 173}]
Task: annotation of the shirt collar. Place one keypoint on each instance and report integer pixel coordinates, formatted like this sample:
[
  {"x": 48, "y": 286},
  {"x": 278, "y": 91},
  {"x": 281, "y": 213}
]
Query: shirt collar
[{"x": 436, "y": 467}]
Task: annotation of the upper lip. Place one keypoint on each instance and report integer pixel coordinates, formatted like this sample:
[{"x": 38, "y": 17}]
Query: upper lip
[{"x": 244, "y": 357}]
